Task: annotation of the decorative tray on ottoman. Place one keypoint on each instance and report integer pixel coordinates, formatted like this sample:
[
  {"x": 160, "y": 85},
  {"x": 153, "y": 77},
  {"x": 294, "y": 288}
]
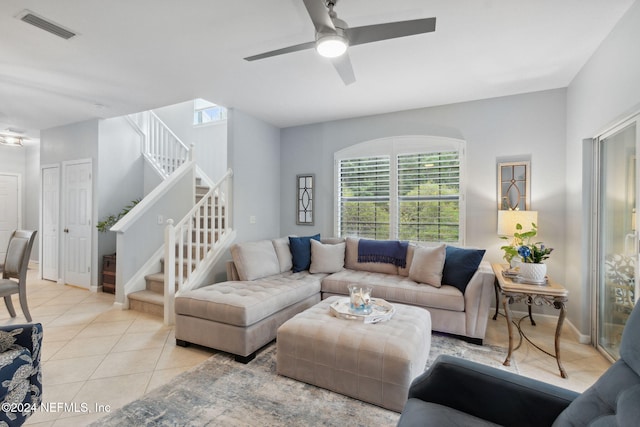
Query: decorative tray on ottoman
[{"x": 381, "y": 311}]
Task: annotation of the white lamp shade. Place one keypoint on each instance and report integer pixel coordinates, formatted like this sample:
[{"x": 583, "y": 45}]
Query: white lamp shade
[{"x": 508, "y": 219}]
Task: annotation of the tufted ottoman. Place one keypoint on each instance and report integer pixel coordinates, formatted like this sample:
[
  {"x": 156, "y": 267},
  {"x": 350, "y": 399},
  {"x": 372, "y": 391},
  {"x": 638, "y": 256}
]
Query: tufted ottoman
[{"x": 371, "y": 362}]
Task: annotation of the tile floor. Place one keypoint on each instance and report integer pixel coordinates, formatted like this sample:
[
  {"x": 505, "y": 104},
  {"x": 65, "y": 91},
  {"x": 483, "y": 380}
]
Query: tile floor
[{"x": 96, "y": 354}]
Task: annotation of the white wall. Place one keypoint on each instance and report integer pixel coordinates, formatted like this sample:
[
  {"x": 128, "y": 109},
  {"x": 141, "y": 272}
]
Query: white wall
[
  {"x": 210, "y": 140},
  {"x": 605, "y": 90}
]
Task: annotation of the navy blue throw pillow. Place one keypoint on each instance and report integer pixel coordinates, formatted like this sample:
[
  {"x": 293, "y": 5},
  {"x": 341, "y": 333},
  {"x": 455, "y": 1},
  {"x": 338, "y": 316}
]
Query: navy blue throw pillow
[
  {"x": 301, "y": 251},
  {"x": 460, "y": 265}
]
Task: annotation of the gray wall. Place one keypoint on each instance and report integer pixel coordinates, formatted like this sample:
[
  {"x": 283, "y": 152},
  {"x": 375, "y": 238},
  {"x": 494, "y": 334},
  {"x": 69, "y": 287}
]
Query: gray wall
[
  {"x": 254, "y": 156},
  {"x": 24, "y": 161},
  {"x": 74, "y": 142},
  {"x": 120, "y": 176},
  {"x": 530, "y": 125},
  {"x": 605, "y": 90},
  {"x": 209, "y": 140}
]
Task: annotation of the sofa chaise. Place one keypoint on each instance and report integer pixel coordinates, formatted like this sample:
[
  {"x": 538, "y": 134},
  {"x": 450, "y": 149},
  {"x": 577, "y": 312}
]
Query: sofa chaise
[{"x": 270, "y": 281}]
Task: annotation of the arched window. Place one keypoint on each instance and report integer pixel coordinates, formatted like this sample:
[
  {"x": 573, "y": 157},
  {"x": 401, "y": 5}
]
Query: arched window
[{"x": 407, "y": 188}]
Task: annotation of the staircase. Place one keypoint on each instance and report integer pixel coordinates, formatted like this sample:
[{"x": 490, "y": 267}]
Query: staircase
[
  {"x": 192, "y": 245},
  {"x": 151, "y": 300}
]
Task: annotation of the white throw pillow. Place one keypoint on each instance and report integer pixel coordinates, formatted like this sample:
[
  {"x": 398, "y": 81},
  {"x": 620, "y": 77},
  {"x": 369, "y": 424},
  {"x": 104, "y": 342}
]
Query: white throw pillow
[
  {"x": 283, "y": 252},
  {"x": 255, "y": 260},
  {"x": 427, "y": 265},
  {"x": 326, "y": 258}
]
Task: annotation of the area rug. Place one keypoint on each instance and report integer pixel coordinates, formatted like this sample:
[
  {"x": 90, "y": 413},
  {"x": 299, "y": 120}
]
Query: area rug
[{"x": 223, "y": 392}]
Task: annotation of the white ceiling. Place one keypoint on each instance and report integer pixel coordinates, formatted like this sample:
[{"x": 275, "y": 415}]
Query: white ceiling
[{"x": 133, "y": 55}]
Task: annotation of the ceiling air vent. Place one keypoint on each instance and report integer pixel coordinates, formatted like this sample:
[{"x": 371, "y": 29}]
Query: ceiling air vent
[{"x": 43, "y": 24}]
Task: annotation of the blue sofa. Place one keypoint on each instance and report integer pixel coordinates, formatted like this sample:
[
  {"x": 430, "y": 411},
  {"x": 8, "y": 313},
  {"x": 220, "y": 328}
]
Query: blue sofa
[{"x": 458, "y": 392}]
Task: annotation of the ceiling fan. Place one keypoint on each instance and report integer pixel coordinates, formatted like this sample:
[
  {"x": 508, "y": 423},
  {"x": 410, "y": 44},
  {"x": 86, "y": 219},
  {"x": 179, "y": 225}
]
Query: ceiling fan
[{"x": 333, "y": 36}]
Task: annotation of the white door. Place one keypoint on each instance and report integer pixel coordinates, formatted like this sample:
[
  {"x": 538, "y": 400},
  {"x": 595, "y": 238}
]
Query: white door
[
  {"x": 77, "y": 223},
  {"x": 50, "y": 222},
  {"x": 9, "y": 209}
]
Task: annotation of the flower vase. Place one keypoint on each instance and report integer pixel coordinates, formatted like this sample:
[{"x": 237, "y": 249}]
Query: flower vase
[{"x": 534, "y": 273}]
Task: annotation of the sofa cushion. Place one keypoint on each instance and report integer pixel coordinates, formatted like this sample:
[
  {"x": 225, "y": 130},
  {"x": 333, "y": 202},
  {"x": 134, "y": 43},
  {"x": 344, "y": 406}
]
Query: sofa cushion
[
  {"x": 326, "y": 258},
  {"x": 283, "y": 252},
  {"x": 351, "y": 260},
  {"x": 301, "y": 251},
  {"x": 254, "y": 260},
  {"x": 394, "y": 288},
  {"x": 247, "y": 302},
  {"x": 460, "y": 265},
  {"x": 427, "y": 265}
]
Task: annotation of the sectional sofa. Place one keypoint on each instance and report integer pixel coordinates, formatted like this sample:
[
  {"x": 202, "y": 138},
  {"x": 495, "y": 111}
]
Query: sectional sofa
[{"x": 270, "y": 281}]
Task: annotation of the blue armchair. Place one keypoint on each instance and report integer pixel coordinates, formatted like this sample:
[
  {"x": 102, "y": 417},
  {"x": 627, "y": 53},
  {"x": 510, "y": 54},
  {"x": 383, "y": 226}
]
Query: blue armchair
[
  {"x": 20, "y": 372},
  {"x": 458, "y": 392}
]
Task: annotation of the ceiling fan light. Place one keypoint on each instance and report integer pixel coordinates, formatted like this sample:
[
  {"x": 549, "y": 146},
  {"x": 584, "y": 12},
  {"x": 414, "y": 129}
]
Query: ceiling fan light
[
  {"x": 331, "y": 46},
  {"x": 11, "y": 141}
]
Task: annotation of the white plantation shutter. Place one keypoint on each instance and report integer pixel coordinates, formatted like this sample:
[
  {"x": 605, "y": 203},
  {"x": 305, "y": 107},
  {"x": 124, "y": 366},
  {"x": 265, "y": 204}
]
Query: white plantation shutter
[
  {"x": 364, "y": 197},
  {"x": 429, "y": 196},
  {"x": 407, "y": 188}
]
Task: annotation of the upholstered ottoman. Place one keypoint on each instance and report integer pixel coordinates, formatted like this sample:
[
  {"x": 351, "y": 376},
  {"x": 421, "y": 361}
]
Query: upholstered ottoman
[{"x": 371, "y": 362}]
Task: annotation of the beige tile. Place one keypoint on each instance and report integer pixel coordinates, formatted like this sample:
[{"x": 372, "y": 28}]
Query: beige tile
[
  {"x": 80, "y": 347},
  {"x": 60, "y": 333},
  {"x": 74, "y": 319},
  {"x": 175, "y": 357},
  {"x": 69, "y": 370},
  {"x": 147, "y": 323},
  {"x": 164, "y": 376},
  {"x": 50, "y": 348},
  {"x": 103, "y": 329},
  {"x": 77, "y": 420},
  {"x": 116, "y": 314},
  {"x": 94, "y": 307},
  {"x": 109, "y": 394},
  {"x": 140, "y": 341},
  {"x": 127, "y": 362},
  {"x": 52, "y": 395}
]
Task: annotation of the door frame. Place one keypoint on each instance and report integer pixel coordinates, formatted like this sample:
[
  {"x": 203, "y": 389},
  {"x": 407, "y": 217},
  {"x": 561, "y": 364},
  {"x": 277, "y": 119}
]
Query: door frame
[
  {"x": 63, "y": 216},
  {"x": 59, "y": 279},
  {"x": 595, "y": 243}
]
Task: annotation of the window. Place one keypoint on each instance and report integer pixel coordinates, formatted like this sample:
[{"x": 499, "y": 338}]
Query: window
[
  {"x": 407, "y": 188},
  {"x": 207, "y": 112}
]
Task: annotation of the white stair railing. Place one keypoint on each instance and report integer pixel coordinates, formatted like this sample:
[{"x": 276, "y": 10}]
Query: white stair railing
[
  {"x": 164, "y": 150},
  {"x": 193, "y": 241}
]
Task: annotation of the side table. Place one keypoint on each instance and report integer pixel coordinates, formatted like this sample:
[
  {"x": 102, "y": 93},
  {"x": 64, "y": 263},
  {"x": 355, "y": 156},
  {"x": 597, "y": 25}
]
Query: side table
[{"x": 551, "y": 294}]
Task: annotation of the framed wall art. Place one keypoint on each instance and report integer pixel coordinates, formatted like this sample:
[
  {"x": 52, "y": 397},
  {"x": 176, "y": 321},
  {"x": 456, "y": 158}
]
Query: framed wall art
[
  {"x": 305, "y": 196},
  {"x": 514, "y": 185}
]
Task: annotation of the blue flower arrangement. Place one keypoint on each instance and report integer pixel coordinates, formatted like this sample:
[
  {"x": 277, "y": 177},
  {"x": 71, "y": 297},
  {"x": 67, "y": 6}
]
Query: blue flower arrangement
[{"x": 529, "y": 252}]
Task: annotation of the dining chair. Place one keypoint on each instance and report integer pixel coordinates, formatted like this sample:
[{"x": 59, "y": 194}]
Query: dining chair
[{"x": 14, "y": 275}]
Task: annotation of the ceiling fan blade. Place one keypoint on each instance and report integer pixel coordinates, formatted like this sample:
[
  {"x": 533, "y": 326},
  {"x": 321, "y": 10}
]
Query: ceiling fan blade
[
  {"x": 391, "y": 30},
  {"x": 343, "y": 66},
  {"x": 319, "y": 14},
  {"x": 303, "y": 46}
]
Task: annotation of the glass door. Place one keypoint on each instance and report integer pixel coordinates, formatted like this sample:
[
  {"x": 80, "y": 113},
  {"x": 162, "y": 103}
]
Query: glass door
[{"x": 617, "y": 236}]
